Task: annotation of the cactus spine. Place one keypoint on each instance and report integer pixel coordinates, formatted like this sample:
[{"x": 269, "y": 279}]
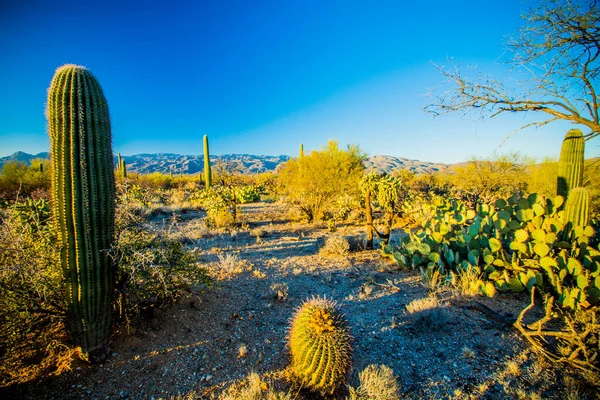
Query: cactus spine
[
  {"x": 577, "y": 209},
  {"x": 319, "y": 341},
  {"x": 83, "y": 202},
  {"x": 570, "y": 164},
  {"x": 207, "y": 172}
]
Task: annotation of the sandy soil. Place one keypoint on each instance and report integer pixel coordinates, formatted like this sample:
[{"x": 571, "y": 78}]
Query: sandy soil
[{"x": 214, "y": 338}]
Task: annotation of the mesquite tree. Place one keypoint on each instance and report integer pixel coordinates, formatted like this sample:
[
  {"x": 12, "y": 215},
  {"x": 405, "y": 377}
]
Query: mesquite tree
[{"x": 556, "y": 61}]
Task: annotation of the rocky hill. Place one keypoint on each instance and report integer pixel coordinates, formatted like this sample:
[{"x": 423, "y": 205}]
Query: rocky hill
[
  {"x": 380, "y": 164},
  {"x": 244, "y": 163}
]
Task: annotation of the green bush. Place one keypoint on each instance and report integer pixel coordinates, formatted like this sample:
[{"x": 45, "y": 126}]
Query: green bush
[
  {"x": 154, "y": 269},
  {"x": 19, "y": 178},
  {"x": 32, "y": 305},
  {"x": 314, "y": 182}
]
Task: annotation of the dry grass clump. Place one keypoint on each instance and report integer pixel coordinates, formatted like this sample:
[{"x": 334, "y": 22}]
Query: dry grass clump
[
  {"x": 280, "y": 291},
  {"x": 230, "y": 264},
  {"x": 221, "y": 218},
  {"x": 253, "y": 388},
  {"x": 191, "y": 231},
  {"x": 377, "y": 382},
  {"x": 257, "y": 232},
  {"x": 335, "y": 246},
  {"x": 427, "y": 314}
]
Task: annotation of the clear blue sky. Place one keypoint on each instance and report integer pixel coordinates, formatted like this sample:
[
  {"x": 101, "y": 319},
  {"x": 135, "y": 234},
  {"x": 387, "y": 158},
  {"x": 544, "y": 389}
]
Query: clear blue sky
[{"x": 260, "y": 77}]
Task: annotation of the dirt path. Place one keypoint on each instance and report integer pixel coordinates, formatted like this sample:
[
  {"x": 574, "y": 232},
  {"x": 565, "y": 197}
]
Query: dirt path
[{"x": 203, "y": 344}]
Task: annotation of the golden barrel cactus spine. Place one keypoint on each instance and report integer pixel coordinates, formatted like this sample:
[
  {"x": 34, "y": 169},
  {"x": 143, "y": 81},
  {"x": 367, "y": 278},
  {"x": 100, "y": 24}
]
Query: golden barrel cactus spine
[{"x": 319, "y": 341}]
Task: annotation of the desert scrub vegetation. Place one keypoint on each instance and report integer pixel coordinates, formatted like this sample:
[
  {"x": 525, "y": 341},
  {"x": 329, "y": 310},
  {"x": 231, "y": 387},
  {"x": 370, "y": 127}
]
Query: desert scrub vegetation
[
  {"x": 377, "y": 382},
  {"x": 335, "y": 246},
  {"x": 155, "y": 268},
  {"x": 32, "y": 305},
  {"x": 19, "y": 179},
  {"x": 314, "y": 182},
  {"x": 522, "y": 243}
]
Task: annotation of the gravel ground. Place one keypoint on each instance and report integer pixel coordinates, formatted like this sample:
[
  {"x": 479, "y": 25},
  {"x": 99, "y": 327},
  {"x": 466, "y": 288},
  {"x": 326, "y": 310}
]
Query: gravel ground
[{"x": 214, "y": 338}]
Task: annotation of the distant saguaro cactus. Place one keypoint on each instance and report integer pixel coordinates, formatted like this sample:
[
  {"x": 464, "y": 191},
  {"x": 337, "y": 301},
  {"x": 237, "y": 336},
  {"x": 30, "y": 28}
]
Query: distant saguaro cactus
[
  {"x": 123, "y": 169},
  {"x": 83, "y": 202},
  {"x": 570, "y": 164},
  {"x": 301, "y": 150},
  {"x": 207, "y": 172}
]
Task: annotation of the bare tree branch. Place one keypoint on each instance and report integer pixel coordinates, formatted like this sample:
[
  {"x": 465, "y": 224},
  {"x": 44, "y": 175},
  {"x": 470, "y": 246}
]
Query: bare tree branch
[{"x": 558, "y": 52}]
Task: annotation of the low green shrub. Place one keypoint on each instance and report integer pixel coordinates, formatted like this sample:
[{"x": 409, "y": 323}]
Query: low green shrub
[
  {"x": 32, "y": 305},
  {"x": 154, "y": 269}
]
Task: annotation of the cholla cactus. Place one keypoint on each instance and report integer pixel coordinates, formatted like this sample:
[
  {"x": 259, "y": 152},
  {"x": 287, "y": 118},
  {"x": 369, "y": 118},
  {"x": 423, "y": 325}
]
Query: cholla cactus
[{"x": 319, "y": 341}]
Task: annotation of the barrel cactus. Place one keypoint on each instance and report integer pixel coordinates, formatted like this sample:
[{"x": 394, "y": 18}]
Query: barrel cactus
[
  {"x": 83, "y": 202},
  {"x": 577, "y": 209},
  {"x": 570, "y": 165},
  {"x": 319, "y": 341},
  {"x": 207, "y": 171}
]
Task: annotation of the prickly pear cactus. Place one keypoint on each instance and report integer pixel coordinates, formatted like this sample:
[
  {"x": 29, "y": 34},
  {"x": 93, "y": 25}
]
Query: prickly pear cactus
[
  {"x": 570, "y": 164},
  {"x": 83, "y": 202},
  {"x": 319, "y": 341}
]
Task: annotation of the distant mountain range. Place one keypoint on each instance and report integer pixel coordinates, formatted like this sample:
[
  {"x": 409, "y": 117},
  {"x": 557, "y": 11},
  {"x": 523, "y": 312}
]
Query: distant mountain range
[{"x": 244, "y": 163}]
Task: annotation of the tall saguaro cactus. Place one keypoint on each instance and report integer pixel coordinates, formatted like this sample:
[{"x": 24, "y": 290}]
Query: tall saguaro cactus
[
  {"x": 207, "y": 172},
  {"x": 83, "y": 202},
  {"x": 301, "y": 150},
  {"x": 570, "y": 164}
]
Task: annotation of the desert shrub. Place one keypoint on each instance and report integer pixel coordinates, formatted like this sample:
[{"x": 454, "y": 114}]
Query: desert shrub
[
  {"x": 19, "y": 178},
  {"x": 377, "y": 382},
  {"x": 220, "y": 205},
  {"x": 257, "y": 232},
  {"x": 280, "y": 290},
  {"x": 31, "y": 214},
  {"x": 266, "y": 182},
  {"x": 314, "y": 182},
  {"x": 428, "y": 314},
  {"x": 542, "y": 177},
  {"x": 344, "y": 206},
  {"x": 253, "y": 388},
  {"x": 153, "y": 268},
  {"x": 155, "y": 180},
  {"x": 32, "y": 306},
  {"x": 482, "y": 181},
  {"x": 335, "y": 245}
]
